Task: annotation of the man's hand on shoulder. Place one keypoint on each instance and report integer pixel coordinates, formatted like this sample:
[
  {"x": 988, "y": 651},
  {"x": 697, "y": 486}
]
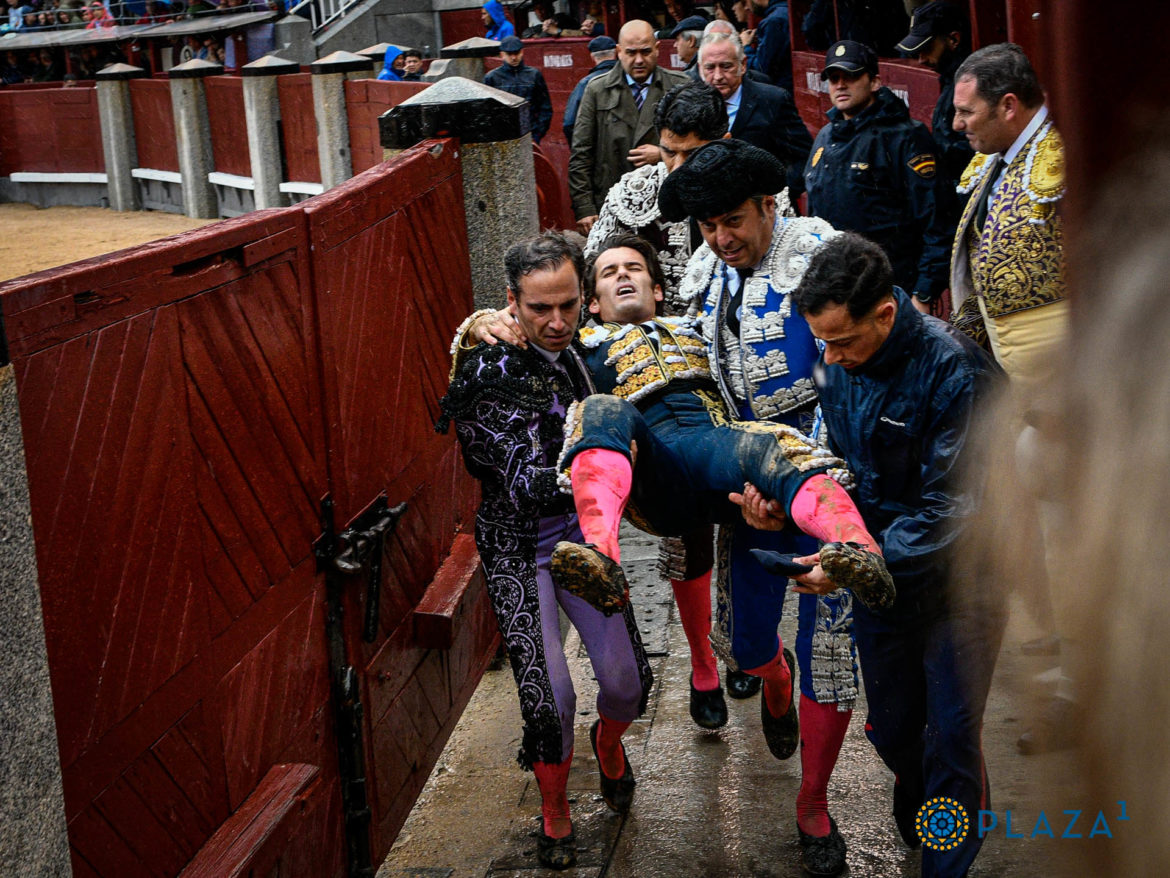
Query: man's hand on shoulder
[
  {"x": 497, "y": 327},
  {"x": 585, "y": 224}
]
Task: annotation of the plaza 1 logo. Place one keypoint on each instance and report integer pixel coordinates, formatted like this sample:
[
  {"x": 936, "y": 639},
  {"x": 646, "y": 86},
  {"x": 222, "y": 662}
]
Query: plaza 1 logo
[{"x": 943, "y": 824}]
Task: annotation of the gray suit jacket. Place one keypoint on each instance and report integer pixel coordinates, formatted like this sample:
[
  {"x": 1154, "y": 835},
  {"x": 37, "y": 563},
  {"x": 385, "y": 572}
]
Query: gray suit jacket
[{"x": 608, "y": 126}]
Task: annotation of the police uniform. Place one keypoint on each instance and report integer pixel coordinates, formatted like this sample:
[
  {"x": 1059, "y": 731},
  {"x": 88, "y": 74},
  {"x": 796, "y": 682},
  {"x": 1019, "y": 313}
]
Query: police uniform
[{"x": 877, "y": 174}]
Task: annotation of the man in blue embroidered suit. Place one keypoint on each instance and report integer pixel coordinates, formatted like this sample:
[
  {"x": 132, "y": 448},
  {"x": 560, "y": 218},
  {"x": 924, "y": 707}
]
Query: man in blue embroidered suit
[
  {"x": 664, "y": 442},
  {"x": 762, "y": 355},
  {"x": 509, "y": 407}
]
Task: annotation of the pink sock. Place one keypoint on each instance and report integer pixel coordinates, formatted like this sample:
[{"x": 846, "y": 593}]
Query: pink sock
[
  {"x": 777, "y": 683},
  {"x": 822, "y": 509},
  {"x": 601, "y": 486},
  {"x": 822, "y": 729},
  {"x": 553, "y": 781},
  {"x": 693, "y": 599},
  {"x": 610, "y": 753}
]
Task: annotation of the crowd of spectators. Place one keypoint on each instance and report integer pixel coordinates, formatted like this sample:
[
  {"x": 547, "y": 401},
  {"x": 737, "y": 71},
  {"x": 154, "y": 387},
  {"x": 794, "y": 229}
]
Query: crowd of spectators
[{"x": 49, "y": 64}]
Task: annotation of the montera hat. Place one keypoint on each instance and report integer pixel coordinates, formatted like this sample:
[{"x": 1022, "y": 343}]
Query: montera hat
[
  {"x": 511, "y": 44},
  {"x": 719, "y": 177},
  {"x": 852, "y": 57}
]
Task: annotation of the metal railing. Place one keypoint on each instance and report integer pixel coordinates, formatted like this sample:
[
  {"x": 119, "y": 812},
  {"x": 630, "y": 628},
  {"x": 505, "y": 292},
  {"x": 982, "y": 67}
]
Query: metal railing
[{"x": 322, "y": 13}]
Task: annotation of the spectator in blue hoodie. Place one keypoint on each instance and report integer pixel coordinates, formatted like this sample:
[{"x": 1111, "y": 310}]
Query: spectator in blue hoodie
[
  {"x": 392, "y": 65},
  {"x": 495, "y": 19}
]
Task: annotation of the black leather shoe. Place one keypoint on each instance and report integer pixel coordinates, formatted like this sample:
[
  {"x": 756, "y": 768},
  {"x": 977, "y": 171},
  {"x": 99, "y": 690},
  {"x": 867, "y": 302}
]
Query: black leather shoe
[
  {"x": 617, "y": 793},
  {"x": 741, "y": 685},
  {"x": 822, "y": 855},
  {"x": 907, "y": 803},
  {"x": 782, "y": 732},
  {"x": 556, "y": 853},
  {"x": 708, "y": 709}
]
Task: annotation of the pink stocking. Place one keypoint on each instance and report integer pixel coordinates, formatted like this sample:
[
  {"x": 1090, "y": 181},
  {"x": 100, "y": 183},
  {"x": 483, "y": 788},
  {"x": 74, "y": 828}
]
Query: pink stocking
[
  {"x": 822, "y": 509},
  {"x": 693, "y": 599},
  {"x": 822, "y": 729},
  {"x": 777, "y": 683},
  {"x": 601, "y": 486},
  {"x": 553, "y": 781}
]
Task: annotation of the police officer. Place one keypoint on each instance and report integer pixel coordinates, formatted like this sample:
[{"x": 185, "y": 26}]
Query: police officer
[
  {"x": 874, "y": 171},
  {"x": 938, "y": 39},
  {"x": 516, "y": 77}
]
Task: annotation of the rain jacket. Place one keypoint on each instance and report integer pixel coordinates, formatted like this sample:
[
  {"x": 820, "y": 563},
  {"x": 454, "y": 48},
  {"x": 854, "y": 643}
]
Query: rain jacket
[
  {"x": 388, "y": 71},
  {"x": 501, "y": 27},
  {"x": 904, "y": 422}
]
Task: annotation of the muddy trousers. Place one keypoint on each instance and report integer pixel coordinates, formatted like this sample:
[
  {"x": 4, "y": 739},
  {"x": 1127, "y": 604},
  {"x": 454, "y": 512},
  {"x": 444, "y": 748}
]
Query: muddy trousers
[
  {"x": 525, "y": 601},
  {"x": 926, "y": 677},
  {"x": 686, "y": 462}
]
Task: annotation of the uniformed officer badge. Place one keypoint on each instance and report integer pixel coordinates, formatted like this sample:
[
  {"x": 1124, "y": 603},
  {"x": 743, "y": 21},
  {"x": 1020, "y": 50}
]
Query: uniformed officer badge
[
  {"x": 840, "y": 51},
  {"x": 817, "y": 157},
  {"x": 923, "y": 165}
]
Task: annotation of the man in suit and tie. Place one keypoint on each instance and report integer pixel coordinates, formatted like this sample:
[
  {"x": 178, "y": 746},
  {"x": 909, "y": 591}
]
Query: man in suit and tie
[
  {"x": 1007, "y": 266},
  {"x": 762, "y": 115},
  {"x": 615, "y": 132}
]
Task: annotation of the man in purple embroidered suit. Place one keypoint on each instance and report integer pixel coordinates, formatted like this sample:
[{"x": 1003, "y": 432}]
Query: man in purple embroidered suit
[{"x": 509, "y": 405}]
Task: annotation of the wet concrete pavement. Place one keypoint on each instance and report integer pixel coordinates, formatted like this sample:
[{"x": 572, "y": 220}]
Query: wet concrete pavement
[{"x": 717, "y": 803}]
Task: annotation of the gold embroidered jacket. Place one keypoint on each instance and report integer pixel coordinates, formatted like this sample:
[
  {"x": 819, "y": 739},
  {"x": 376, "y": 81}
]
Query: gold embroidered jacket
[{"x": 1017, "y": 262}]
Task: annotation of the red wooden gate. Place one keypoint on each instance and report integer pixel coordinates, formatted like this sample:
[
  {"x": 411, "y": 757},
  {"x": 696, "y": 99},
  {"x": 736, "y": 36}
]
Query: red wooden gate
[{"x": 186, "y": 407}]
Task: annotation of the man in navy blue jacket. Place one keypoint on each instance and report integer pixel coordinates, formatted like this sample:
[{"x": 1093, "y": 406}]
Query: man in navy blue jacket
[
  {"x": 516, "y": 77},
  {"x": 901, "y": 393},
  {"x": 874, "y": 170}
]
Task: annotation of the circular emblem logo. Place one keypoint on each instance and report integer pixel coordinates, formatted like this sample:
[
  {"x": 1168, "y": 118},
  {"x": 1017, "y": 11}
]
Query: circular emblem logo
[
  {"x": 942, "y": 823},
  {"x": 840, "y": 51}
]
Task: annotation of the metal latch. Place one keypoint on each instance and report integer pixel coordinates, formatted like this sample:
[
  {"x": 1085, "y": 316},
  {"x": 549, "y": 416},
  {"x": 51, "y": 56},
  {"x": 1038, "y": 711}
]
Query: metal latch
[{"x": 358, "y": 549}]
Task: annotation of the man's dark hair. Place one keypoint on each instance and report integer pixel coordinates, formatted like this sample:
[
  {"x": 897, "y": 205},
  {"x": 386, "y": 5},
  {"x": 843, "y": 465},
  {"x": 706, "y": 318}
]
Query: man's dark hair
[
  {"x": 634, "y": 242},
  {"x": 999, "y": 70},
  {"x": 849, "y": 270},
  {"x": 692, "y": 108},
  {"x": 545, "y": 252},
  {"x": 412, "y": 53}
]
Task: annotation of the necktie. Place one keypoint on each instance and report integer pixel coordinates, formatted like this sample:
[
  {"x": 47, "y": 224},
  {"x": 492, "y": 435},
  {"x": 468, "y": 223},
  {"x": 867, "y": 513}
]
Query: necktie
[
  {"x": 985, "y": 197},
  {"x": 733, "y": 307},
  {"x": 639, "y": 89}
]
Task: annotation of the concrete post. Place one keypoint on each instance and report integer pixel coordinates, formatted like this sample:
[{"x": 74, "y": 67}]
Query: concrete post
[
  {"x": 463, "y": 59},
  {"x": 293, "y": 37},
  {"x": 499, "y": 180},
  {"x": 118, "y": 146},
  {"x": 329, "y": 76},
  {"x": 33, "y": 838},
  {"x": 262, "y": 116},
  {"x": 193, "y": 133}
]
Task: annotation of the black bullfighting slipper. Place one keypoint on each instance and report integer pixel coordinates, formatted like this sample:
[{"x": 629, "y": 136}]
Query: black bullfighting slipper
[
  {"x": 556, "y": 853},
  {"x": 708, "y": 709},
  {"x": 617, "y": 793},
  {"x": 822, "y": 855},
  {"x": 782, "y": 732},
  {"x": 852, "y": 566},
  {"x": 741, "y": 685},
  {"x": 595, "y": 578}
]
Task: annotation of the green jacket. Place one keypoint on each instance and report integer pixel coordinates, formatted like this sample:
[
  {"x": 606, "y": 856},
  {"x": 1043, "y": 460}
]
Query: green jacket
[{"x": 608, "y": 126}]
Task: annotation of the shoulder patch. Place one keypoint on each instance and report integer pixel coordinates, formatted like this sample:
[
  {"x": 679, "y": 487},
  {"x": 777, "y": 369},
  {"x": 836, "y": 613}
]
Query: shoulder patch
[{"x": 923, "y": 165}]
